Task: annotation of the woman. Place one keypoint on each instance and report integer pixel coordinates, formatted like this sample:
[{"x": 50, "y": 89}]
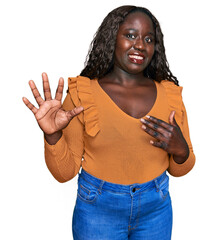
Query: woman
[{"x": 124, "y": 116}]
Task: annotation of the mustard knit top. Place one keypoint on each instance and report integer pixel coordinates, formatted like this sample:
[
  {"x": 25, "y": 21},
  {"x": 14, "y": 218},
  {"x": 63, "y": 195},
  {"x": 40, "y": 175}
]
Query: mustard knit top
[{"x": 110, "y": 144}]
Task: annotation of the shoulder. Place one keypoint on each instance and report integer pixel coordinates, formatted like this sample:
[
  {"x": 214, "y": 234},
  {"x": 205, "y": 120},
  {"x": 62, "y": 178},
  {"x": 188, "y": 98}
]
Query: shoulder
[
  {"x": 78, "y": 82},
  {"x": 173, "y": 91},
  {"x": 81, "y": 94},
  {"x": 171, "y": 86},
  {"x": 173, "y": 94}
]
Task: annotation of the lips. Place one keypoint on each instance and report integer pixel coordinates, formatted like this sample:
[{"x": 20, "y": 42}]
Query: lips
[{"x": 136, "y": 58}]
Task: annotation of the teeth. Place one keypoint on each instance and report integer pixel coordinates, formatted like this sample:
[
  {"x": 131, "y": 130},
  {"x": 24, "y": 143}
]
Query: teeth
[{"x": 136, "y": 57}]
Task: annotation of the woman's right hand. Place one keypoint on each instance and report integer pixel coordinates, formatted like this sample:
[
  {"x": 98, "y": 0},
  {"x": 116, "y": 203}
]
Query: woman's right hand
[{"x": 50, "y": 115}]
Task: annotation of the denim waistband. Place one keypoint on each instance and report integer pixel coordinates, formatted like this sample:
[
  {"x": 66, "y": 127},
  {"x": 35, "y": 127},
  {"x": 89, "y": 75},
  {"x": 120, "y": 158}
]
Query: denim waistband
[{"x": 121, "y": 188}]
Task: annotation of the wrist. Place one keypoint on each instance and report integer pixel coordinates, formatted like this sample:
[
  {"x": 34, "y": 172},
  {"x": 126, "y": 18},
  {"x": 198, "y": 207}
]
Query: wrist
[
  {"x": 52, "y": 139},
  {"x": 181, "y": 158}
]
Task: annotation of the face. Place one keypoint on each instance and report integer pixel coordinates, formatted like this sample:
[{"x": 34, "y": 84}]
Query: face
[{"x": 135, "y": 43}]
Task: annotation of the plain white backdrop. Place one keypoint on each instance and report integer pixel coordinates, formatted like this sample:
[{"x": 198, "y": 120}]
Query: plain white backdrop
[{"x": 54, "y": 36}]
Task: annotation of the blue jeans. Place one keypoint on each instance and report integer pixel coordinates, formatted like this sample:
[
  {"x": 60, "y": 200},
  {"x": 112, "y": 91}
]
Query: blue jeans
[{"x": 109, "y": 211}]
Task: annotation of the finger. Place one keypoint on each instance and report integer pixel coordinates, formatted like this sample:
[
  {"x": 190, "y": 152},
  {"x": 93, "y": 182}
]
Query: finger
[
  {"x": 35, "y": 92},
  {"x": 71, "y": 114},
  {"x": 30, "y": 105},
  {"x": 160, "y": 144},
  {"x": 160, "y": 123},
  {"x": 153, "y": 133},
  {"x": 59, "y": 91},
  {"x": 171, "y": 118},
  {"x": 155, "y": 125},
  {"x": 46, "y": 87}
]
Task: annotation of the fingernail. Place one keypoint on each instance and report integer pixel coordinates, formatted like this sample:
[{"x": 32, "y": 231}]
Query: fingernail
[
  {"x": 147, "y": 116},
  {"x": 151, "y": 142},
  {"x": 143, "y": 126},
  {"x": 80, "y": 108},
  {"x": 142, "y": 120}
]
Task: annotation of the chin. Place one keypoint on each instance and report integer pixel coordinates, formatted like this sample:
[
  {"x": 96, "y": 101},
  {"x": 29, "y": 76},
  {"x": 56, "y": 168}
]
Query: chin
[{"x": 136, "y": 71}]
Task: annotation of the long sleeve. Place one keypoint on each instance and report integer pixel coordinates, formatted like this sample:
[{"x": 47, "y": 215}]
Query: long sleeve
[
  {"x": 176, "y": 169},
  {"x": 175, "y": 102},
  {"x": 65, "y": 157}
]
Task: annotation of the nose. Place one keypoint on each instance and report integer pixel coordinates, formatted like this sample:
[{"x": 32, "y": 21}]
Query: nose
[{"x": 139, "y": 44}]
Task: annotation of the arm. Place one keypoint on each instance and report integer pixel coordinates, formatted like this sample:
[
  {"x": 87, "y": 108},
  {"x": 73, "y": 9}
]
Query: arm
[
  {"x": 63, "y": 159},
  {"x": 174, "y": 139},
  {"x": 177, "y": 169},
  {"x": 63, "y": 138}
]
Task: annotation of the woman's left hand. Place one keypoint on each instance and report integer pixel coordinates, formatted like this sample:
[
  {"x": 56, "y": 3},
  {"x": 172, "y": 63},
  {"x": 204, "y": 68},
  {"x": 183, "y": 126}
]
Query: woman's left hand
[{"x": 169, "y": 136}]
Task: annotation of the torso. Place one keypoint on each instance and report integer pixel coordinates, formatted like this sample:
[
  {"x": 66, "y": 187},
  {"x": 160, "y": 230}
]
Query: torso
[{"x": 136, "y": 101}]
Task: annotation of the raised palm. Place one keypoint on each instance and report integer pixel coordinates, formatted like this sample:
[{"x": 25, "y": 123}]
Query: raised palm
[{"x": 50, "y": 115}]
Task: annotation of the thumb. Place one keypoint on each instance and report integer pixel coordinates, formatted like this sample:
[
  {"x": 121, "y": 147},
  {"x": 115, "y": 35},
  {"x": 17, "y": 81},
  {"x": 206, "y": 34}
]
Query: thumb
[
  {"x": 71, "y": 114},
  {"x": 78, "y": 110},
  {"x": 172, "y": 120}
]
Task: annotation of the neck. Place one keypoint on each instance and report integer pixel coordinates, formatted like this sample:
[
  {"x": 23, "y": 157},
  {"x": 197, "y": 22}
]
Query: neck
[{"x": 126, "y": 79}]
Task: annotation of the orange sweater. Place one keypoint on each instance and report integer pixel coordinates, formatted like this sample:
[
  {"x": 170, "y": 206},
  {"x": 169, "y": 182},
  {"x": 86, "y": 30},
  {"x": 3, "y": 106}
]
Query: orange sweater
[{"x": 110, "y": 144}]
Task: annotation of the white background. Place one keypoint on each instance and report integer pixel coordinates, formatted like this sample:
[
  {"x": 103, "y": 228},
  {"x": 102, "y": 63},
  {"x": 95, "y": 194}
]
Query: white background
[{"x": 54, "y": 36}]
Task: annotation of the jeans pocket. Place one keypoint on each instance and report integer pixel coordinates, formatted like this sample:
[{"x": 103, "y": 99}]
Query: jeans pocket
[
  {"x": 164, "y": 188},
  {"x": 86, "y": 191}
]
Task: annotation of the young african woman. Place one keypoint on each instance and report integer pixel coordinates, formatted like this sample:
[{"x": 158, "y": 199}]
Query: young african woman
[{"x": 124, "y": 122}]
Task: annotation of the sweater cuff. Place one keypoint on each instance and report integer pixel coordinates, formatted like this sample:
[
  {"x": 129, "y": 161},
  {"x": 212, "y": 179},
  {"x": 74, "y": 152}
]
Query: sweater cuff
[
  {"x": 57, "y": 149},
  {"x": 178, "y": 170}
]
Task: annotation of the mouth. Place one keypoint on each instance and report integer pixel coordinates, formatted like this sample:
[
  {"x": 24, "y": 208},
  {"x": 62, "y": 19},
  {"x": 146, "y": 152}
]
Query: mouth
[{"x": 138, "y": 59}]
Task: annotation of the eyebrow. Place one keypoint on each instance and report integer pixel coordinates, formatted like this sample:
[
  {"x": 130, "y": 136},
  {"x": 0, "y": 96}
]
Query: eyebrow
[{"x": 133, "y": 29}]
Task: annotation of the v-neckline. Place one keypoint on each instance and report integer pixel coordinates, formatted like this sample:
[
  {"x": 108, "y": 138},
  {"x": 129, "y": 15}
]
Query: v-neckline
[{"x": 120, "y": 110}]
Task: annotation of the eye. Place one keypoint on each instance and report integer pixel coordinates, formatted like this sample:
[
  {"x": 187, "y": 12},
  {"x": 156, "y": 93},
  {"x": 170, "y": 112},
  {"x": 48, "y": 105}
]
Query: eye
[
  {"x": 129, "y": 35},
  {"x": 148, "y": 40}
]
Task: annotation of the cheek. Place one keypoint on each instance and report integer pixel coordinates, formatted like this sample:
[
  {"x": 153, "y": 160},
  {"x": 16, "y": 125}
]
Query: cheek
[
  {"x": 150, "y": 51},
  {"x": 122, "y": 47},
  {"x": 122, "y": 51},
  {"x": 126, "y": 45}
]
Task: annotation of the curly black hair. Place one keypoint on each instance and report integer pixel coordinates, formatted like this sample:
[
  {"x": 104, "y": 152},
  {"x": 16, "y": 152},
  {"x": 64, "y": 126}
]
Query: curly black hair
[{"x": 100, "y": 58}]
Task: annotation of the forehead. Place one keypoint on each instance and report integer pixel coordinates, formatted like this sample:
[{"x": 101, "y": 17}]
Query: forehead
[{"x": 137, "y": 20}]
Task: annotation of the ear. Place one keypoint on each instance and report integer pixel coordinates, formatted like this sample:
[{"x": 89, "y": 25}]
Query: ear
[{"x": 172, "y": 120}]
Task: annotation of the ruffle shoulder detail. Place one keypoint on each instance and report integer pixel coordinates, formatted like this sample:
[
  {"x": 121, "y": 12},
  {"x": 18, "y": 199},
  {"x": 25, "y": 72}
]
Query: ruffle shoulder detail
[
  {"x": 81, "y": 93},
  {"x": 174, "y": 96}
]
